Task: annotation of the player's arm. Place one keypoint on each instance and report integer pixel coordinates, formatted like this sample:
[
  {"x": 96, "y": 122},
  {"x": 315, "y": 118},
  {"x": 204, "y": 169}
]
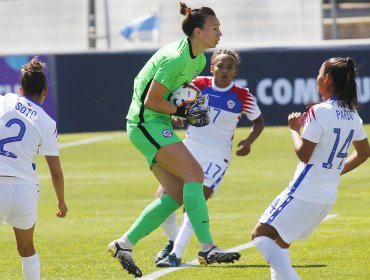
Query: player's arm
[
  {"x": 154, "y": 99},
  {"x": 244, "y": 146},
  {"x": 302, "y": 147},
  {"x": 359, "y": 156},
  {"x": 58, "y": 183}
]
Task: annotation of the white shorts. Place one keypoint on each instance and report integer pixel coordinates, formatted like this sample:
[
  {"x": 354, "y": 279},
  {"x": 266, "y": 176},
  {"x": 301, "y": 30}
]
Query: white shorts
[
  {"x": 214, "y": 172},
  {"x": 293, "y": 218},
  {"x": 18, "y": 202},
  {"x": 214, "y": 168}
]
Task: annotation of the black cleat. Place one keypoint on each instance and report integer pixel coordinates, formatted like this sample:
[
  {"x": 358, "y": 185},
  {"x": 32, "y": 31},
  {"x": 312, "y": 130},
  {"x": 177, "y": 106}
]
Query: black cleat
[
  {"x": 165, "y": 251},
  {"x": 170, "y": 261},
  {"x": 125, "y": 258},
  {"x": 216, "y": 255}
]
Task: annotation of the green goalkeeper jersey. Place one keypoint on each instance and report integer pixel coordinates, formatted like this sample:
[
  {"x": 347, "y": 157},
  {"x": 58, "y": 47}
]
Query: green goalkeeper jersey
[{"x": 172, "y": 66}]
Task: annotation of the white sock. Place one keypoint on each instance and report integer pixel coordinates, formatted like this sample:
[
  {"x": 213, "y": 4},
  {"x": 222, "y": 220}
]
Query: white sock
[
  {"x": 183, "y": 237},
  {"x": 170, "y": 227},
  {"x": 31, "y": 267},
  {"x": 274, "y": 274},
  {"x": 276, "y": 257},
  {"x": 124, "y": 243}
]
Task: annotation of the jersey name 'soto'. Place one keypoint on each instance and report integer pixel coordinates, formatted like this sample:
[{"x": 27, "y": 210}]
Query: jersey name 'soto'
[
  {"x": 226, "y": 107},
  {"x": 25, "y": 131}
]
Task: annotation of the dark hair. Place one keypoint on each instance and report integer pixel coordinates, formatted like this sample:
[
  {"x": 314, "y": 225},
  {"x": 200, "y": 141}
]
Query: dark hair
[
  {"x": 234, "y": 54},
  {"x": 343, "y": 72},
  {"x": 33, "y": 80},
  {"x": 194, "y": 18}
]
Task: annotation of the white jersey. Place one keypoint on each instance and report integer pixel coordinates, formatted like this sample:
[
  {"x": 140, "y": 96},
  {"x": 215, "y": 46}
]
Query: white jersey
[
  {"x": 25, "y": 130},
  {"x": 226, "y": 107},
  {"x": 333, "y": 128}
]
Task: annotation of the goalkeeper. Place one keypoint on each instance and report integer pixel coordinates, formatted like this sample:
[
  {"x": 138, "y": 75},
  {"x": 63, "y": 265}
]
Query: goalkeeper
[
  {"x": 149, "y": 128},
  {"x": 211, "y": 145}
]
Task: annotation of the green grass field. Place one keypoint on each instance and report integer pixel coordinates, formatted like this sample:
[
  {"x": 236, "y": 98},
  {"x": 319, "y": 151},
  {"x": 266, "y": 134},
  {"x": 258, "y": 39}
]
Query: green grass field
[{"x": 108, "y": 184}]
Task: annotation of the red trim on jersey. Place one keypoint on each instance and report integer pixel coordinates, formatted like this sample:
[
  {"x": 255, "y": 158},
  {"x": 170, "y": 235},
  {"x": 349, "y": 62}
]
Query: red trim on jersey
[
  {"x": 202, "y": 82},
  {"x": 311, "y": 113}
]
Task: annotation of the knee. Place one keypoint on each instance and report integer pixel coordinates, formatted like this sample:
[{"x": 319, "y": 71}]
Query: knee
[
  {"x": 196, "y": 174},
  {"x": 253, "y": 235},
  {"x": 257, "y": 231},
  {"x": 26, "y": 250},
  {"x": 160, "y": 191}
]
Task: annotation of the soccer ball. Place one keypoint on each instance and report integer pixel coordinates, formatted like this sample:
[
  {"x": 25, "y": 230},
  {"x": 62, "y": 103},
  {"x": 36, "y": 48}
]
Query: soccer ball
[{"x": 185, "y": 95}]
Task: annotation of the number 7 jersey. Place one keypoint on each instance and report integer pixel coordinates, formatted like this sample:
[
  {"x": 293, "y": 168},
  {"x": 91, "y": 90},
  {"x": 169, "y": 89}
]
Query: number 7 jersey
[
  {"x": 25, "y": 130},
  {"x": 226, "y": 108},
  {"x": 333, "y": 128}
]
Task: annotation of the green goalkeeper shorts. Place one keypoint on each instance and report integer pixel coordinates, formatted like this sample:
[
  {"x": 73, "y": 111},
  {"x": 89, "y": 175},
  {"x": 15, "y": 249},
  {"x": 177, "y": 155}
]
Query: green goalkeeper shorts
[{"x": 150, "y": 136}]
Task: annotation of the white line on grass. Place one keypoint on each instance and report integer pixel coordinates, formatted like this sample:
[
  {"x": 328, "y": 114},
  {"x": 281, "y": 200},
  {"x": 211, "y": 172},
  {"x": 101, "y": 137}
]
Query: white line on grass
[
  {"x": 90, "y": 140},
  {"x": 160, "y": 273}
]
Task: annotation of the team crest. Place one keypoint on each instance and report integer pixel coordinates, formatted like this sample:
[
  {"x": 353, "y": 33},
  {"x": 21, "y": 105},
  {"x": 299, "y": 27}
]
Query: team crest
[
  {"x": 230, "y": 104},
  {"x": 167, "y": 133}
]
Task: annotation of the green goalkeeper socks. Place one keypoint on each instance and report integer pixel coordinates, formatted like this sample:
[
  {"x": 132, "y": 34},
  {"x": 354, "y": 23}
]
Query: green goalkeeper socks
[
  {"x": 196, "y": 208},
  {"x": 152, "y": 217}
]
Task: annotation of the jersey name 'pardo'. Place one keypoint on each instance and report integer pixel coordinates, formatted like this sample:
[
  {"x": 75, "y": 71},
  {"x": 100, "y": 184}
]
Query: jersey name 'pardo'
[
  {"x": 333, "y": 128},
  {"x": 172, "y": 66}
]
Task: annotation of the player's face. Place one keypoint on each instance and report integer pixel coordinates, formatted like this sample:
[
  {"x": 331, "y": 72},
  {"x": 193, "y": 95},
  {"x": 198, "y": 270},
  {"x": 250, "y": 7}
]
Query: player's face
[
  {"x": 210, "y": 33},
  {"x": 321, "y": 83},
  {"x": 224, "y": 70}
]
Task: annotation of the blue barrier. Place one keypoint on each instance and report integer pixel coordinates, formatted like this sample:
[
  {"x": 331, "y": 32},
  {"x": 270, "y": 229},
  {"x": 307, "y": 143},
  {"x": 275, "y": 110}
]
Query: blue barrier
[{"x": 92, "y": 91}]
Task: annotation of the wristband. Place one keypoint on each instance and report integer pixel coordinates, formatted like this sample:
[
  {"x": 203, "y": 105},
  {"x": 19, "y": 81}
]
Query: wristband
[{"x": 181, "y": 112}]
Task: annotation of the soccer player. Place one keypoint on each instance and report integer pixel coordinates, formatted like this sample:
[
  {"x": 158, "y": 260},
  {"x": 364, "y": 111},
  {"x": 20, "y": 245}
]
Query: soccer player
[
  {"x": 329, "y": 129},
  {"x": 25, "y": 131},
  {"x": 149, "y": 128},
  {"x": 211, "y": 145}
]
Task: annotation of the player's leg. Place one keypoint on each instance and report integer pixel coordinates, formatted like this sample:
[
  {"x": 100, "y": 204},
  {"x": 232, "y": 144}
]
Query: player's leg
[
  {"x": 5, "y": 198},
  {"x": 26, "y": 249},
  {"x": 170, "y": 228},
  {"x": 170, "y": 224},
  {"x": 22, "y": 216},
  {"x": 149, "y": 219},
  {"x": 177, "y": 239},
  {"x": 180, "y": 162},
  {"x": 268, "y": 231},
  {"x": 177, "y": 160},
  {"x": 264, "y": 237},
  {"x": 148, "y": 139},
  {"x": 186, "y": 229},
  {"x": 286, "y": 219}
]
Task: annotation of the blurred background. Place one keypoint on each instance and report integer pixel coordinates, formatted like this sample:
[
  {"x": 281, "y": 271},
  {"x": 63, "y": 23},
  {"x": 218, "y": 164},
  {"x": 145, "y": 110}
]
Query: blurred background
[{"x": 95, "y": 48}]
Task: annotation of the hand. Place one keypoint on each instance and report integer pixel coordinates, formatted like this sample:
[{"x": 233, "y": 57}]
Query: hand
[
  {"x": 200, "y": 121},
  {"x": 244, "y": 148},
  {"x": 296, "y": 121},
  {"x": 200, "y": 107},
  {"x": 62, "y": 210},
  {"x": 177, "y": 121}
]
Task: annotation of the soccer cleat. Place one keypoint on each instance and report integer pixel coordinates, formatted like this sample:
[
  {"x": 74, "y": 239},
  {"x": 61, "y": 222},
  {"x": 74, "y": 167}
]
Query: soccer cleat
[
  {"x": 165, "y": 251},
  {"x": 215, "y": 254},
  {"x": 170, "y": 261},
  {"x": 124, "y": 256}
]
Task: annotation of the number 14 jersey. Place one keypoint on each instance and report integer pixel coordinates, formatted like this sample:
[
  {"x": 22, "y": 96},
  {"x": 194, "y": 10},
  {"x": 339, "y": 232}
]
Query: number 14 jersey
[{"x": 333, "y": 128}]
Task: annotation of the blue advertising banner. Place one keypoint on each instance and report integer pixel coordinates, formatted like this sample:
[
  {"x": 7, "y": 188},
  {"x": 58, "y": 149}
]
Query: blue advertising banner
[
  {"x": 284, "y": 79},
  {"x": 10, "y": 75},
  {"x": 94, "y": 90}
]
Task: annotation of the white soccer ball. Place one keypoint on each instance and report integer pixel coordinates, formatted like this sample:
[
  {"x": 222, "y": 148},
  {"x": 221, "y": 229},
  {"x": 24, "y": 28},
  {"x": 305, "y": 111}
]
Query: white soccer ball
[{"x": 185, "y": 95}]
